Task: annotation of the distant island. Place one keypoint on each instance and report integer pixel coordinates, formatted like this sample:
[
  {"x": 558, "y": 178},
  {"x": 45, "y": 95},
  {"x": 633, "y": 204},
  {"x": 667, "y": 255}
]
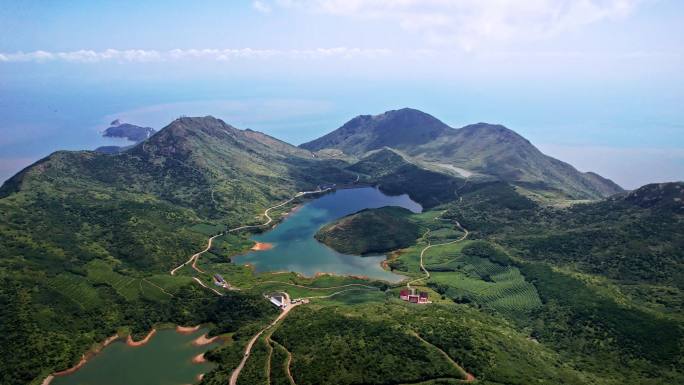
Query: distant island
[{"x": 119, "y": 129}]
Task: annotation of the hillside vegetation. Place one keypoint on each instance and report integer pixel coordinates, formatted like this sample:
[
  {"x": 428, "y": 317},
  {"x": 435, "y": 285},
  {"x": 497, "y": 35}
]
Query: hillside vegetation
[
  {"x": 586, "y": 293},
  {"x": 393, "y": 174},
  {"x": 371, "y": 231},
  {"x": 490, "y": 149},
  {"x": 88, "y": 239}
]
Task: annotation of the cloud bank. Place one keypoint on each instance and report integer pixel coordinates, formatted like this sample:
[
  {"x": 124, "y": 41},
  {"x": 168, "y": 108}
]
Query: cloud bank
[
  {"x": 471, "y": 24},
  {"x": 141, "y": 56}
]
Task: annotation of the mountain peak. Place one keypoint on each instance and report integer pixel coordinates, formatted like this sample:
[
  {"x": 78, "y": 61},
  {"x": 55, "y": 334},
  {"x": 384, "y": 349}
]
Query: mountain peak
[
  {"x": 401, "y": 128},
  {"x": 196, "y": 124}
]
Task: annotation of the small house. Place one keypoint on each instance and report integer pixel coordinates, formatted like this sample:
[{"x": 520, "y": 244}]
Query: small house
[
  {"x": 413, "y": 296},
  {"x": 423, "y": 297},
  {"x": 219, "y": 281}
]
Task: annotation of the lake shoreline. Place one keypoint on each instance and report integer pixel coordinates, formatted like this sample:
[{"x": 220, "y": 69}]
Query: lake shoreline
[
  {"x": 98, "y": 347},
  {"x": 130, "y": 342},
  {"x": 84, "y": 359},
  {"x": 261, "y": 246},
  {"x": 306, "y": 255}
]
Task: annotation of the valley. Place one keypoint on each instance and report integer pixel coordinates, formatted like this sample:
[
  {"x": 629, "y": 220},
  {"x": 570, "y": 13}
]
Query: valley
[{"x": 535, "y": 272}]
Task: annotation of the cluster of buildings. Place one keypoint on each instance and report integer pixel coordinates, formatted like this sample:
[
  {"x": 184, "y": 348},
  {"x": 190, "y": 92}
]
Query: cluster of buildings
[{"x": 414, "y": 296}]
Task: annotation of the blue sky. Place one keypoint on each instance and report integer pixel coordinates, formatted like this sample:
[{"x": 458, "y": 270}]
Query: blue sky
[{"x": 597, "y": 83}]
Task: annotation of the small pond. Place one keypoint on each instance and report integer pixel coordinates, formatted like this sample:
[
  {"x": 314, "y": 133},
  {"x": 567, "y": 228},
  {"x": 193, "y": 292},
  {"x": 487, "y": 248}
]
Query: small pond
[{"x": 165, "y": 360}]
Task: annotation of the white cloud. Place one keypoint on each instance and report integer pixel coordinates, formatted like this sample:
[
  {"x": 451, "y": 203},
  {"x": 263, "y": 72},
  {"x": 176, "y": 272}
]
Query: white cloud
[
  {"x": 472, "y": 23},
  {"x": 261, "y": 6},
  {"x": 138, "y": 55}
]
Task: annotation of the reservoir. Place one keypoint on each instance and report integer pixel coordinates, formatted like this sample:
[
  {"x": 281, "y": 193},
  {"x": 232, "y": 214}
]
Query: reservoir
[
  {"x": 165, "y": 360},
  {"x": 296, "y": 249}
]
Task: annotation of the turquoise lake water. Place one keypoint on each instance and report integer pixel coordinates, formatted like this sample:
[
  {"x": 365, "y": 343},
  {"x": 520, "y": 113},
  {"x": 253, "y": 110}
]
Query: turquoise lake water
[
  {"x": 165, "y": 360},
  {"x": 296, "y": 249}
]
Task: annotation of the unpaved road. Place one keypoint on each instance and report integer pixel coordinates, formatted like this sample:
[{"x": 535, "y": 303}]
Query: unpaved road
[
  {"x": 195, "y": 257},
  {"x": 426, "y": 248},
  {"x": 248, "y": 349},
  {"x": 468, "y": 377}
]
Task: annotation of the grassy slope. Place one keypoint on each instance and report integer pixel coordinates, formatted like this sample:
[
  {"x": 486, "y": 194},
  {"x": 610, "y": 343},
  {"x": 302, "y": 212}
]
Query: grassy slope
[
  {"x": 484, "y": 148},
  {"x": 396, "y": 175}
]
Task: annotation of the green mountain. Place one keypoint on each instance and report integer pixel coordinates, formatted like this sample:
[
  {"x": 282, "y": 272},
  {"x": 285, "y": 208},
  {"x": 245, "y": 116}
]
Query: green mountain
[
  {"x": 88, "y": 239},
  {"x": 588, "y": 293},
  {"x": 478, "y": 148},
  {"x": 138, "y": 206}
]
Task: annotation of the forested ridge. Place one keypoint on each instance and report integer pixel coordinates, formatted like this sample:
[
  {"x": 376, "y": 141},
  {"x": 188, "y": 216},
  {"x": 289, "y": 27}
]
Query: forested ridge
[{"x": 543, "y": 290}]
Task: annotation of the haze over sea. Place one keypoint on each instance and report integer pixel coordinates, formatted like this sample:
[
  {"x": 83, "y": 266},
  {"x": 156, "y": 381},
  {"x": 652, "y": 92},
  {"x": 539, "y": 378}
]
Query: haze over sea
[{"x": 589, "y": 91}]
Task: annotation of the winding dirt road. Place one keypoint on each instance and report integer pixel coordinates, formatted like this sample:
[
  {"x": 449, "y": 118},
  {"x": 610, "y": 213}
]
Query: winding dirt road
[
  {"x": 206, "y": 287},
  {"x": 195, "y": 257},
  {"x": 468, "y": 377},
  {"x": 426, "y": 248},
  {"x": 248, "y": 349}
]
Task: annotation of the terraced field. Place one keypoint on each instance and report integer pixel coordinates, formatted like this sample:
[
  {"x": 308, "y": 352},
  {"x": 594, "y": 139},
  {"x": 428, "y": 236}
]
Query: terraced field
[
  {"x": 99, "y": 272},
  {"x": 481, "y": 281},
  {"x": 507, "y": 292},
  {"x": 443, "y": 254},
  {"x": 156, "y": 288},
  {"x": 77, "y": 289}
]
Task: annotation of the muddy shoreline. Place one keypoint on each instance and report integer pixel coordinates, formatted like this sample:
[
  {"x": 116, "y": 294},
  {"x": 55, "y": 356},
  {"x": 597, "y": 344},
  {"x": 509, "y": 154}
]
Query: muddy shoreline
[
  {"x": 84, "y": 360},
  {"x": 202, "y": 340},
  {"x": 148, "y": 337},
  {"x": 261, "y": 246}
]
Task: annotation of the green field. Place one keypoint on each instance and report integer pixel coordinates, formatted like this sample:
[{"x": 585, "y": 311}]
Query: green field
[
  {"x": 77, "y": 289},
  {"x": 157, "y": 288},
  {"x": 207, "y": 228}
]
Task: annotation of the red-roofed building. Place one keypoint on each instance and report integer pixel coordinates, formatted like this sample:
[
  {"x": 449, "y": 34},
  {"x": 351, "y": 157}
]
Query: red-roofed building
[
  {"x": 423, "y": 297},
  {"x": 413, "y": 296}
]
